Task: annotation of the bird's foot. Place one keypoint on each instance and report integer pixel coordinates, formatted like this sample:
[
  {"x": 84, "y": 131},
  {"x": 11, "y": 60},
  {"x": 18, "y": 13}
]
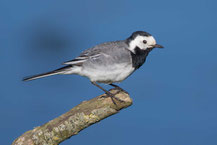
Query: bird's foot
[
  {"x": 109, "y": 94},
  {"x": 112, "y": 96},
  {"x": 116, "y": 87}
]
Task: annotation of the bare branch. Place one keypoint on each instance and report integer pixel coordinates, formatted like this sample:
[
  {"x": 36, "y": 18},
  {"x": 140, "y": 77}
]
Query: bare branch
[{"x": 72, "y": 122}]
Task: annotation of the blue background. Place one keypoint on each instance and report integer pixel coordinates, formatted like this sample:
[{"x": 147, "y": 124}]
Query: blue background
[{"x": 174, "y": 92}]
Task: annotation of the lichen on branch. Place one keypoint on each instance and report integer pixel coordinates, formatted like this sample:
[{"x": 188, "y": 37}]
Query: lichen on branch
[{"x": 75, "y": 120}]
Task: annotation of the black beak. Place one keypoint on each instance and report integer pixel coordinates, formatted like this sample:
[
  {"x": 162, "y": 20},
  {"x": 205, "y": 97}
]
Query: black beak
[{"x": 158, "y": 46}]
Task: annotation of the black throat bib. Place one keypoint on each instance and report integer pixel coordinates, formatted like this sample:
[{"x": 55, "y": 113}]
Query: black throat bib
[{"x": 139, "y": 57}]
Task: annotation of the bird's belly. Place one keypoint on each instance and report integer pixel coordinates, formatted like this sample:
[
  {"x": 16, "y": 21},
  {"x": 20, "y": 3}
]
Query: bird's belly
[{"x": 108, "y": 74}]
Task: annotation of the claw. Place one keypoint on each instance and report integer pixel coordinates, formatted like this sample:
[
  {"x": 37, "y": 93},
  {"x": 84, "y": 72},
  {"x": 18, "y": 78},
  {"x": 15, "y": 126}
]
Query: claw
[
  {"x": 112, "y": 96},
  {"x": 119, "y": 88}
]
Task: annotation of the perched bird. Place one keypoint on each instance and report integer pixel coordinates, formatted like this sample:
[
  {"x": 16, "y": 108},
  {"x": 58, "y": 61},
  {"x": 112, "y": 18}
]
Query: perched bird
[{"x": 109, "y": 62}]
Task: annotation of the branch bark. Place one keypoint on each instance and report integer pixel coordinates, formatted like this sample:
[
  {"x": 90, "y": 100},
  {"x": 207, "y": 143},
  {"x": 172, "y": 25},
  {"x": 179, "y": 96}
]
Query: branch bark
[{"x": 75, "y": 120}]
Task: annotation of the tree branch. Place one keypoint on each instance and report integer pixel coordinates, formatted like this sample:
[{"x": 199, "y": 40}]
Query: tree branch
[{"x": 77, "y": 119}]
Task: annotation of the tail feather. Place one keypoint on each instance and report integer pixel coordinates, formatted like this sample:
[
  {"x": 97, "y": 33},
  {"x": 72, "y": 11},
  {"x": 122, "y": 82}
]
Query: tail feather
[{"x": 55, "y": 72}]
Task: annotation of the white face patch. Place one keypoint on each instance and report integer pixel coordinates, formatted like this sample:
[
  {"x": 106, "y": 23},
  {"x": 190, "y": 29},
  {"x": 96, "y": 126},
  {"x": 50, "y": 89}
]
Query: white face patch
[{"x": 138, "y": 42}]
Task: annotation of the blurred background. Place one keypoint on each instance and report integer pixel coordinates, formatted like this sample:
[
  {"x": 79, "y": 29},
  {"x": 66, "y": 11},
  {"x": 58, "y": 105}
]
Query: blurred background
[{"x": 174, "y": 92}]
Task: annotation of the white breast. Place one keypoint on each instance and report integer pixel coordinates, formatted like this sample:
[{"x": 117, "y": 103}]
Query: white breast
[{"x": 111, "y": 74}]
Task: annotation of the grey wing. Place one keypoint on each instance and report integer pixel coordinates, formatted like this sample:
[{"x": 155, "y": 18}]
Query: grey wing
[
  {"x": 103, "y": 54},
  {"x": 84, "y": 56}
]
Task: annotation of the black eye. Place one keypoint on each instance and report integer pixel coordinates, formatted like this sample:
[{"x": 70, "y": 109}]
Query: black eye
[{"x": 144, "y": 41}]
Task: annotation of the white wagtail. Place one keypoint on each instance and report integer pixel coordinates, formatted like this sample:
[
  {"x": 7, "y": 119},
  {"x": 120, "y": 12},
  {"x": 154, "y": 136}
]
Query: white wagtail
[{"x": 109, "y": 62}]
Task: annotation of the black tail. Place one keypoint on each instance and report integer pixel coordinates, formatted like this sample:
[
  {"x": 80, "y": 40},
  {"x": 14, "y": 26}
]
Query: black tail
[{"x": 55, "y": 72}]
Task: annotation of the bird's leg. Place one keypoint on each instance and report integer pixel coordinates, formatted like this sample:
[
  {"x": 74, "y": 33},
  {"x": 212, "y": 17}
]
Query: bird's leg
[
  {"x": 119, "y": 88},
  {"x": 108, "y": 93}
]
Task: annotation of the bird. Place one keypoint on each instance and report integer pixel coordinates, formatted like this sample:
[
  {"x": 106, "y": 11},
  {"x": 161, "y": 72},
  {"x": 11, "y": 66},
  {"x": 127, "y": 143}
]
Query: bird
[{"x": 109, "y": 62}]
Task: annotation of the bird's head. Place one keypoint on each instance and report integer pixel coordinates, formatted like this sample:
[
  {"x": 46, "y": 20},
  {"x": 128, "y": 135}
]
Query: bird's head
[{"x": 142, "y": 40}]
